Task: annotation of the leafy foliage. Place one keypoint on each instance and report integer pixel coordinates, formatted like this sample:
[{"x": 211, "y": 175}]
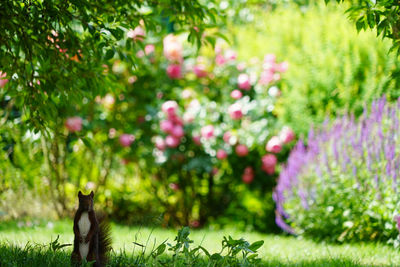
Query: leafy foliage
[
  {"x": 53, "y": 51},
  {"x": 384, "y": 16},
  {"x": 333, "y": 69}
]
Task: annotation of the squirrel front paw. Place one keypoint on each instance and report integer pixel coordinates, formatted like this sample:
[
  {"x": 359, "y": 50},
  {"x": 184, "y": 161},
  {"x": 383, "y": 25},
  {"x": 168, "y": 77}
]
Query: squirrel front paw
[
  {"x": 87, "y": 239},
  {"x": 80, "y": 239}
]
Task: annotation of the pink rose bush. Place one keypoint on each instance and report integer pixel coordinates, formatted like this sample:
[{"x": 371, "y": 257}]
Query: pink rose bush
[
  {"x": 210, "y": 120},
  {"x": 239, "y": 126}
]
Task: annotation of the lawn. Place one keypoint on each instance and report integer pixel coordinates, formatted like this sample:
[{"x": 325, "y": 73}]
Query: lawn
[{"x": 277, "y": 250}]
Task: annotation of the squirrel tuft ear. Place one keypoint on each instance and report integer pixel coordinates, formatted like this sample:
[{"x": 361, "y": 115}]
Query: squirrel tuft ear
[
  {"x": 79, "y": 193},
  {"x": 91, "y": 194}
]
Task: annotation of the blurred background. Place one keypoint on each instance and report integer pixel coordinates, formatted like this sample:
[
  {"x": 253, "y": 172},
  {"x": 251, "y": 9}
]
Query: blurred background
[{"x": 228, "y": 133}]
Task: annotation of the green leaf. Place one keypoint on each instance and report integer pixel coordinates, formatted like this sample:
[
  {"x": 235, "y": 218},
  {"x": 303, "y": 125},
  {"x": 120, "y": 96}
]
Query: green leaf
[
  {"x": 161, "y": 248},
  {"x": 205, "y": 251},
  {"x": 109, "y": 54},
  {"x": 215, "y": 257},
  {"x": 88, "y": 142},
  {"x": 256, "y": 245}
]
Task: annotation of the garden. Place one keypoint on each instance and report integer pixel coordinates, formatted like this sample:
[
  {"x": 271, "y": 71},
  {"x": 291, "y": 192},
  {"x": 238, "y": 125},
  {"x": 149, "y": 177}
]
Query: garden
[{"x": 199, "y": 133}]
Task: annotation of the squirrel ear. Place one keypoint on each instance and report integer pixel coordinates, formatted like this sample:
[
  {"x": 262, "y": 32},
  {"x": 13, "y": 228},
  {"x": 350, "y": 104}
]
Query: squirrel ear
[
  {"x": 91, "y": 194},
  {"x": 79, "y": 193}
]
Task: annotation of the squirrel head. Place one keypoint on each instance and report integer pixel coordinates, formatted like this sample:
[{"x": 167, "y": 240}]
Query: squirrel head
[{"x": 86, "y": 201}]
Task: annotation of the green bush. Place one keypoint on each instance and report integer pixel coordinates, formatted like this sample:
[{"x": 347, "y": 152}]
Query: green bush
[{"x": 333, "y": 68}]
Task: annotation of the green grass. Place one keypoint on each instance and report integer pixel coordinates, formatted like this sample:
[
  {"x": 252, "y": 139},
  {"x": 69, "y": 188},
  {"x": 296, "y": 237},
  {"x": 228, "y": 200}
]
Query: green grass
[{"x": 277, "y": 250}]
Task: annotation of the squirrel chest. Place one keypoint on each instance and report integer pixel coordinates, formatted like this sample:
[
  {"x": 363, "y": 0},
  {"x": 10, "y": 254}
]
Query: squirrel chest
[{"x": 84, "y": 227}]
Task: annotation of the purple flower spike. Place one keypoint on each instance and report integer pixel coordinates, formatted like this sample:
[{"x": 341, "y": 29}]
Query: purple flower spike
[{"x": 364, "y": 149}]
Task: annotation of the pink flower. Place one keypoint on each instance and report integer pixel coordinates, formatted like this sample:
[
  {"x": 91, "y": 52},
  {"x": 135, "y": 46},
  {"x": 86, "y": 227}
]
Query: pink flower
[
  {"x": 236, "y": 94},
  {"x": 217, "y": 49},
  {"x": 274, "y": 145},
  {"x": 186, "y": 94},
  {"x": 160, "y": 143},
  {"x": 248, "y": 175},
  {"x": 235, "y": 111},
  {"x": 274, "y": 91},
  {"x": 3, "y": 81},
  {"x": 140, "y": 54},
  {"x": 174, "y": 186},
  {"x": 169, "y": 107},
  {"x": 241, "y": 150},
  {"x": 74, "y": 124},
  {"x": 200, "y": 70},
  {"x": 136, "y": 34},
  {"x": 221, "y": 154},
  {"x": 188, "y": 117},
  {"x": 108, "y": 101},
  {"x": 269, "y": 160},
  {"x": 195, "y": 224},
  {"x": 175, "y": 119},
  {"x": 126, "y": 139},
  {"x": 276, "y": 77},
  {"x": 111, "y": 133},
  {"x": 148, "y": 49},
  {"x": 230, "y": 54},
  {"x": 268, "y": 170},
  {"x": 244, "y": 81},
  {"x": 286, "y": 135},
  {"x": 173, "y": 49},
  {"x": 132, "y": 79},
  {"x": 207, "y": 131},
  {"x": 172, "y": 141},
  {"x": 267, "y": 76},
  {"x": 227, "y": 137},
  {"x": 196, "y": 140},
  {"x": 141, "y": 119},
  {"x": 397, "y": 219},
  {"x": 282, "y": 67},
  {"x": 177, "y": 131},
  {"x": 241, "y": 66},
  {"x": 270, "y": 58},
  {"x": 125, "y": 161},
  {"x": 220, "y": 60},
  {"x": 268, "y": 163},
  {"x": 174, "y": 71},
  {"x": 166, "y": 126}
]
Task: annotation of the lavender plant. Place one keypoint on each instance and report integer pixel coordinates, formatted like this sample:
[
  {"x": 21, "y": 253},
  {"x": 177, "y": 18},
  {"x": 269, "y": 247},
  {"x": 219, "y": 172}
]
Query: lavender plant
[{"x": 343, "y": 184}]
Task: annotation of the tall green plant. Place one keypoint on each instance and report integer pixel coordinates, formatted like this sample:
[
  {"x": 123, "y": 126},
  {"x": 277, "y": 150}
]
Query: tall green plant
[{"x": 333, "y": 68}]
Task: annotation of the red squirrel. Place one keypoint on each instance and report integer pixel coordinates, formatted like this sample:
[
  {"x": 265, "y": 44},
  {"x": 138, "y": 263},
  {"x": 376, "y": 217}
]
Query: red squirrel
[{"x": 92, "y": 240}]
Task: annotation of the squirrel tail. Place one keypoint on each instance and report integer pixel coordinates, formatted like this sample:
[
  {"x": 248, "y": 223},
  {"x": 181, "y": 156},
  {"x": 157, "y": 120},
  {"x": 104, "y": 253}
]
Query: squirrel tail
[{"x": 104, "y": 238}]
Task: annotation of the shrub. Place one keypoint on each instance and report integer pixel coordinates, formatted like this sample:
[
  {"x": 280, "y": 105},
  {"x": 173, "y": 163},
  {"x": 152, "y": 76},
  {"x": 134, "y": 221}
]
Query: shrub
[
  {"x": 213, "y": 131},
  {"x": 343, "y": 185},
  {"x": 333, "y": 69}
]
